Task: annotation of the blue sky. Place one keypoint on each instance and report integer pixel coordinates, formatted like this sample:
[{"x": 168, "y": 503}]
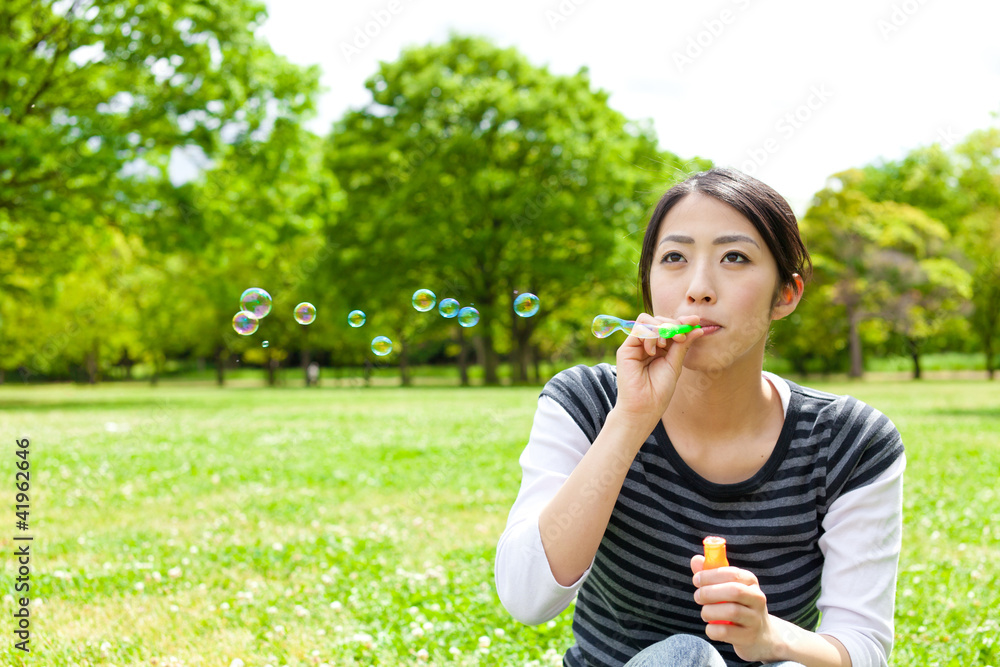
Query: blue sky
[{"x": 789, "y": 91}]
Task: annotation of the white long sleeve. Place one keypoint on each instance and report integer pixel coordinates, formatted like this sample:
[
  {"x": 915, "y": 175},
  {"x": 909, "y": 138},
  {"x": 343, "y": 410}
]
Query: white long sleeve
[
  {"x": 862, "y": 536},
  {"x": 524, "y": 580}
]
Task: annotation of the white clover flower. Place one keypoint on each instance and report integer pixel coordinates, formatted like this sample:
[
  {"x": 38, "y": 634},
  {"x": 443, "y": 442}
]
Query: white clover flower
[
  {"x": 423, "y": 655},
  {"x": 174, "y": 572},
  {"x": 484, "y": 642}
]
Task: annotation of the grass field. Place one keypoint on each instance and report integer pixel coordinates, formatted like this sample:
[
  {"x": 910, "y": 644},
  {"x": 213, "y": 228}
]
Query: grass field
[{"x": 189, "y": 525}]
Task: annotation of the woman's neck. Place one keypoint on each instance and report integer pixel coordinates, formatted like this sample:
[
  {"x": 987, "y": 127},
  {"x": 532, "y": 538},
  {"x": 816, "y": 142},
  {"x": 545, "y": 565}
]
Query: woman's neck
[{"x": 723, "y": 406}]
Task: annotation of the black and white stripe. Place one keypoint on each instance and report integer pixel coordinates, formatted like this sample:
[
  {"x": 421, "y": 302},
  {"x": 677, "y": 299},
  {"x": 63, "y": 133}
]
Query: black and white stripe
[{"x": 639, "y": 589}]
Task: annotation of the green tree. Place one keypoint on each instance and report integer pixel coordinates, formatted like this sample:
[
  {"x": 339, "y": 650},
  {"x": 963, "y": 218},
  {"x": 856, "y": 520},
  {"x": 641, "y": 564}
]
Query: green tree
[
  {"x": 885, "y": 262},
  {"x": 961, "y": 188},
  {"x": 473, "y": 167},
  {"x": 256, "y": 219},
  {"x": 96, "y": 94},
  {"x": 978, "y": 233}
]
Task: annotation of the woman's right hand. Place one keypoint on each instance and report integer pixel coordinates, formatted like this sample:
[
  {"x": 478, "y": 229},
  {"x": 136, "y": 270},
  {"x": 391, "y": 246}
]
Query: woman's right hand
[{"x": 648, "y": 369}]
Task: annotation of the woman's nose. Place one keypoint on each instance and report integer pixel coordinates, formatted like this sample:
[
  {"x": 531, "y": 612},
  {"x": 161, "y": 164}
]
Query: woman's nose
[{"x": 700, "y": 289}]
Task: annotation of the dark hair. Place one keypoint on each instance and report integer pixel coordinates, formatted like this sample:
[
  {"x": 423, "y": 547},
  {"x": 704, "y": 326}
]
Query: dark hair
[{"x": 761, "y": 205}]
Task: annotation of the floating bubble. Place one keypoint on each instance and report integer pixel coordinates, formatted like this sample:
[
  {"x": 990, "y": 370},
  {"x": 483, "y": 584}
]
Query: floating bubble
[
  {"x": 264, "y": 344},
  {"x": 381, "y": 346},
  {"x": 256, "y": 301},
  {"x": 305, "y": 313},
  {"x": 356, "y": 318},
  {"x": 468, "y": 317},
  {"x": 424, "y": 300},
  {"x": 526, "y": 304},
  {"x": 245, "y": 323},
  {"x": 448, "y": 308}
]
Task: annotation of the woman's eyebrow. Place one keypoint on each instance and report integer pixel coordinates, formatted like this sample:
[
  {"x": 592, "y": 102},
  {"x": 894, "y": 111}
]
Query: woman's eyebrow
[{"x": 732, "y": 238}]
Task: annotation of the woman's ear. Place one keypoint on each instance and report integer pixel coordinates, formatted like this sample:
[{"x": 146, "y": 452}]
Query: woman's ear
[{"x": 788, "y": 297}]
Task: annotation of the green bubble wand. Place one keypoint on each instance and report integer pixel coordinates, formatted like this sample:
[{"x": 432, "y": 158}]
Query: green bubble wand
[{"x": 605, "y": 325}]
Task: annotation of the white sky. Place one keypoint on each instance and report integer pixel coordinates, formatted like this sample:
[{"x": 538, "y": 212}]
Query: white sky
[{"x": 893, "y": 74}]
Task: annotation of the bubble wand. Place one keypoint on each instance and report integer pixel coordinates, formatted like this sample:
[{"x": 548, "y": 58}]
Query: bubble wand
[{"x": 605, "y": 325}]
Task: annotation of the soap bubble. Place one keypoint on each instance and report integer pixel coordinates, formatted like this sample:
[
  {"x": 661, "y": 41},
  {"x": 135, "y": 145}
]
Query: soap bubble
[
  {"x": 605, "y": 325},
  {"x": 356, "y": 318},
  {"x": 424, "y": 300},
  {"x": 305, "y": 313},
  {"x": 468, "y": 317},
  {"x": 526, "y": 304},
  {"x": 256, "y": 301},
  {"x": 245, "y": 323},
  {"x": 448, "y": 308},
  {"x": 381, "y": 346},
  {"x": 264, "y": 344}
]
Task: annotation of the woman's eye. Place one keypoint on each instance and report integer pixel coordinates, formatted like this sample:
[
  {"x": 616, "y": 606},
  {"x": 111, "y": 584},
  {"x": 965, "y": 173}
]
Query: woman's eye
[
  {"x": 671, "y": 257},
  {"x": 735, "y": 257}
]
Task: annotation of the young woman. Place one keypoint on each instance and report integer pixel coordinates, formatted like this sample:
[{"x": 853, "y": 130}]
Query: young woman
[{"x": 629, "y": 467}]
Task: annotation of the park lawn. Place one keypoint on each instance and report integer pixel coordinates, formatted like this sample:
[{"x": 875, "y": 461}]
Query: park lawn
[{"x": 195, "y": 525}]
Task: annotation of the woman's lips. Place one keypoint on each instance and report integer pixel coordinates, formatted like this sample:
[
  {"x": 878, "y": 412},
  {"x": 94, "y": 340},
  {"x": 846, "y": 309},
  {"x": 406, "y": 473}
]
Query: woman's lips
[{"x": 709, "y": 329}]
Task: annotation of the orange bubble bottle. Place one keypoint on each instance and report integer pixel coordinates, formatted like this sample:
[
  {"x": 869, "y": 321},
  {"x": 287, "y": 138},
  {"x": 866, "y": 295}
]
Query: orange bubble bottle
[{"x": 715, "y": 556}]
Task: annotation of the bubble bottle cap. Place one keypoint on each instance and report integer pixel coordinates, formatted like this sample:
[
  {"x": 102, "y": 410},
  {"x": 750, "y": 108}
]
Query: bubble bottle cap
[{"x": 715, "y": 552}]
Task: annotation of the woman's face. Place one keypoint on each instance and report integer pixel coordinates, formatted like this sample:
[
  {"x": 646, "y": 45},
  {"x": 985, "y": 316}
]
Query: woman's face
[{"x": 710, "y": 261}]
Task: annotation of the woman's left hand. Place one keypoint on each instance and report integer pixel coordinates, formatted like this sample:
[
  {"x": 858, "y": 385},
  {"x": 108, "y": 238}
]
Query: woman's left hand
[{"x": 733, "y": 594}]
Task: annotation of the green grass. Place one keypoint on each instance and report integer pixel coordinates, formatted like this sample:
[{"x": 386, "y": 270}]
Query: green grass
[{"x": 192, "y": 525}]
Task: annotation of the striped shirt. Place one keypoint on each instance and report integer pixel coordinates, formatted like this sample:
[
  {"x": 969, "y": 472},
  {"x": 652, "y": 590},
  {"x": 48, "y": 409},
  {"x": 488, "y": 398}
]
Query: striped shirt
[{"x": 819, "y": 524}]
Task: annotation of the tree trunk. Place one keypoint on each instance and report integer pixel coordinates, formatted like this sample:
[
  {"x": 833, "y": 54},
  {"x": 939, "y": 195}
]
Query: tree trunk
[
  {"x": 272, "y": 365},
  {"x": 915, "y": 355},
  {"x": 404, "y": 364},
  {"x": 535, "y": 356},
  {"x": 92, "y": 367},
  {"x": 305, "y": 367},
  {"x": 220, "y": 371},
  {"x": 854, "y": 336},
  {"x": 155, "y": 378},
  {"x": 519, "y": 333},
  {"x": 1, "y": 376},
  {"x": 490, "y": 360},
  {"x": 463, "y": 358}
]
